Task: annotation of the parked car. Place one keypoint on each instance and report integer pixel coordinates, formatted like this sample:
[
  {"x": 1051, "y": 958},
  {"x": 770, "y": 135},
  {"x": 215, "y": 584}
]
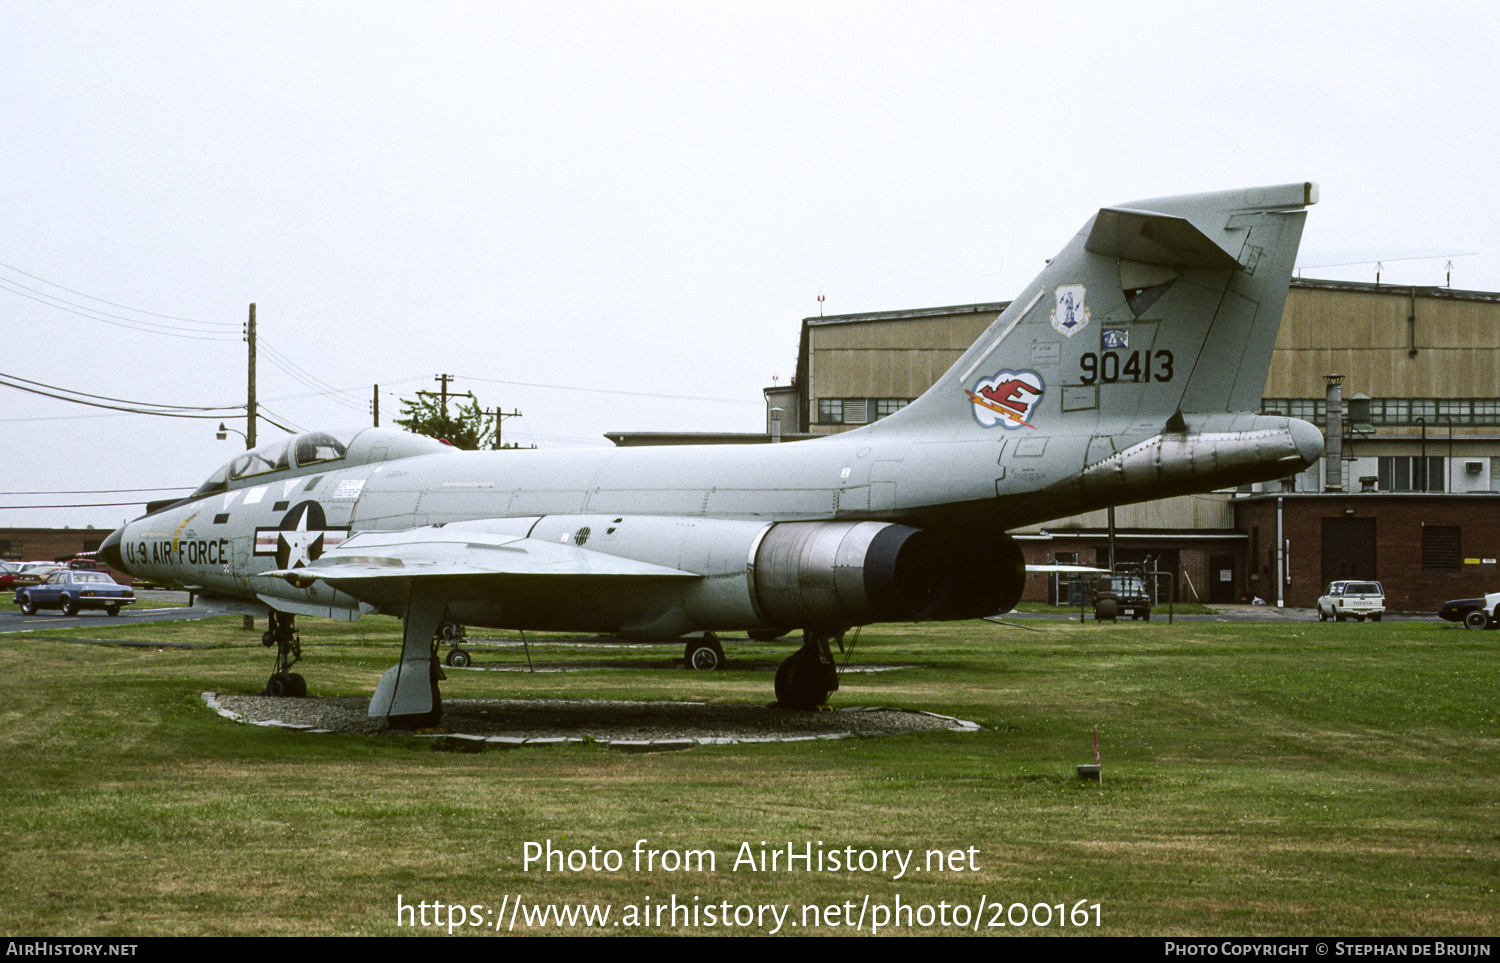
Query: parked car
[
  {"x": 1473, "y": 613},
  {"x": 1352, "y": 600},
  {"x": 32, "y": 573},
  {"x": 1118, "y": 594},
  {"x": 73, "y": 591}
]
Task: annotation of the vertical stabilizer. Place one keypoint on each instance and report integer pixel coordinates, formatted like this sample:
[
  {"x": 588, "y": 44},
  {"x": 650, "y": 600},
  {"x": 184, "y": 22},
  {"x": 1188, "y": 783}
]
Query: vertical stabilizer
[{"x": 1155, "y": 308}]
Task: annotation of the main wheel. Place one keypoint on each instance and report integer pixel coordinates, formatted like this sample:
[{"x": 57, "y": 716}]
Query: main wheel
[
  {"x": 286, "y": 685},
  {"x": 705, "y": 655},
  {"x": 296, "y": 685},
  {"x": 69, "y": 607},
  {"x": 458, "y": 658},
  {"x": 28, "y": 606},
  {"x": 1475, "y": 619},
  {"x": 801, "y": 682}
]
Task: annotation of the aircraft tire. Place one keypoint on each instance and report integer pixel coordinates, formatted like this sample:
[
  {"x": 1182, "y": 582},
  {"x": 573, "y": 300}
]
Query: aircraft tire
[
  {"x": 705, "y": 655},
  {"x": 28, "y": 607},
  {"x": 1475, "y": 619},
  {"x": 283, "y": 685},
  {"x": 297, "y": 685},
  {"x": 801, "y": 682},
  {"x": 267, "y": 639},
  {"x": 458, "y": 658},
  {"x": 1107, "y": 610}
]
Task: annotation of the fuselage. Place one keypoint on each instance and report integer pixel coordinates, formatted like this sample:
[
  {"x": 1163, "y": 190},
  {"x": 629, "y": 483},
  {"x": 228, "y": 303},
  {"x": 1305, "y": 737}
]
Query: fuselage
[{"x": 220, "y": 542}]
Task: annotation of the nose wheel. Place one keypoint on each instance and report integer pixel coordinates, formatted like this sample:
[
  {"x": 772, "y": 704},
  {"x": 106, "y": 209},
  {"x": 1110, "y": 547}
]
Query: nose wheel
[{"x": 281, "y": 632}]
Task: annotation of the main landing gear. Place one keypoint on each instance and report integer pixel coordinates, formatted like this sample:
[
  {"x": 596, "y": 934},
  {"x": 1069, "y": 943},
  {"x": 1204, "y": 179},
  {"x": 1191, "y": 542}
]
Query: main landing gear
[
  {"x": 808, "y": 675},
  {"x": 704, "y": 653},
  {"x": 282, "y": 633},
  {"x": 458, "y": 656}
]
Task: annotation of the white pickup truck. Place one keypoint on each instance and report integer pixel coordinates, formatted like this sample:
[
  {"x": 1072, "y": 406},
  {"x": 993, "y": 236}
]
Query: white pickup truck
[{"x": 1352, "y": 600}]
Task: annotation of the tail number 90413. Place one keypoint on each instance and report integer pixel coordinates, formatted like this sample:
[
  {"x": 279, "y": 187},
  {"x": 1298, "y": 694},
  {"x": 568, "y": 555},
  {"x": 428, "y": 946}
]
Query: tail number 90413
[{"x": 1112, "y": 366}]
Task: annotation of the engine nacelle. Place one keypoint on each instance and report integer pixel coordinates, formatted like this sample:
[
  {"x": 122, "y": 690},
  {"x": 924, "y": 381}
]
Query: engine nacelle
[
  {"x": 838, "y": 574},
  {"x": 826, "y": 575}
]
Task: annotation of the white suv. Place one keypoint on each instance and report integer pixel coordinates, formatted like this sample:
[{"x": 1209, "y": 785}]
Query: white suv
[{"x": 1352, "y": 600}]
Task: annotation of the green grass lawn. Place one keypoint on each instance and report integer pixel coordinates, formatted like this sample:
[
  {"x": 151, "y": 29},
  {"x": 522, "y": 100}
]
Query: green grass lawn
[{"x": 1258, "y": 779}]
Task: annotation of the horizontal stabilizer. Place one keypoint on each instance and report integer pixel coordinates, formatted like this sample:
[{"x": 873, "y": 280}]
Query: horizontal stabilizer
[{"x": 1156, "y": 239}]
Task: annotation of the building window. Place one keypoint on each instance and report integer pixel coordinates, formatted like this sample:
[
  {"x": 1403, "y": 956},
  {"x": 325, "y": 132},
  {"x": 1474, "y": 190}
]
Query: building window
[
  {"x": 1403, "y": 412},
  {"x": 1399, "y": 473},
  {"x": 857, "y": 411},
  {"x": 1441, "y": 548}
]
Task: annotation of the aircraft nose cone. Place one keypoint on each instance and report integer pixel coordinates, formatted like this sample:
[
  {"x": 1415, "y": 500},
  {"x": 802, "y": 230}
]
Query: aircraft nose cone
[
  {"x": 1308, "y": 439},
  {"x": 109, "y": 551}
]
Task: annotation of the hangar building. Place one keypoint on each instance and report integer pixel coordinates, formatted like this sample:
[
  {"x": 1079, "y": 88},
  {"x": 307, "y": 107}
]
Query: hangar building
[{"x": 1409, "y": 493}]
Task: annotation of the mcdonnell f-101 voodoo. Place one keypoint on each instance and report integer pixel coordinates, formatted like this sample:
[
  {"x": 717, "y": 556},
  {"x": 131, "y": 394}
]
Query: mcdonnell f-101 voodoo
[{"x": 1129, "y": 370}]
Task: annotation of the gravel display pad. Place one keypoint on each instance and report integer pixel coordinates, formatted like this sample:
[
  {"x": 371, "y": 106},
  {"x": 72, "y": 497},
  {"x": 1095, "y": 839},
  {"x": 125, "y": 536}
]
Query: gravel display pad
[{"x": 622, "y": 724}]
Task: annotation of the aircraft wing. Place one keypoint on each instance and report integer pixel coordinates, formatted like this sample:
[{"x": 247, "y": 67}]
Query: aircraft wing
[{"x": 377, "y": 565}]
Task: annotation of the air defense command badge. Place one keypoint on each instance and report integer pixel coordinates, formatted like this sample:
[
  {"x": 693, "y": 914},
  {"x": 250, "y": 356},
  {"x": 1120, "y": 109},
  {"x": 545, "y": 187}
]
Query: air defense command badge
[{"x": 1071, "y": 315}]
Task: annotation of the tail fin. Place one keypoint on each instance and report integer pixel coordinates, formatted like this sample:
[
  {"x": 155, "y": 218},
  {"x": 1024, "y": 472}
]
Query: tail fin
[{"x": 1156, "y": 308}]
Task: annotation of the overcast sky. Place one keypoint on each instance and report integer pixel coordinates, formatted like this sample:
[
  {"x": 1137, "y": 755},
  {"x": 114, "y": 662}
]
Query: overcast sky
[{"x": 614, "y": 216}]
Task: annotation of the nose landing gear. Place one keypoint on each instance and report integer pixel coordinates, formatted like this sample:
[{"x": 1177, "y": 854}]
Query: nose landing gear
[{"x": 282, "y": 633}]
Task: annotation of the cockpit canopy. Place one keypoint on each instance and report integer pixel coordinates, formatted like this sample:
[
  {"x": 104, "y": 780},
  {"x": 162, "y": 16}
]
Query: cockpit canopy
[{"x": 317, "y": 451}]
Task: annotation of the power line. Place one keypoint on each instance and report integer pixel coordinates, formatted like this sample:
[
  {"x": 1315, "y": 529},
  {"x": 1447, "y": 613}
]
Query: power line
[
  {"x": 132, "y": 324},
  {"x": 593, "y": 390},
  {"x": 133, "y": 407},
  {"x": 101, "y": 491},
  {"x": 113, "y": 304},
  {"x": 6, "y": 508}
]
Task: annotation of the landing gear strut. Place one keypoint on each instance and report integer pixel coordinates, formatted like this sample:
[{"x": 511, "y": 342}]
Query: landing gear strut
[
  {"x": 282, "y": 633},
  {"x": 458, "y": 656},
  {"x": 407, "y": 696},
  {"x": 808, "y": 675}
]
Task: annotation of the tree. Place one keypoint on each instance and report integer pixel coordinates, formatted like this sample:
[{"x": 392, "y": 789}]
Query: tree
[{"x": 464, "y": 426}]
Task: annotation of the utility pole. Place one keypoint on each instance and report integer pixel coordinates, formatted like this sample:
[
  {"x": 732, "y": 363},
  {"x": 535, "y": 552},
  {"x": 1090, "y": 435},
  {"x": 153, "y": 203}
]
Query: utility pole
[
  {"x": 376, "y": 406},
  {"x": 250, "y": 394},
  {"x": 444, "y": 379},
  {"x": 248, "y": 622},
  {"x": 499, "y": 415}
]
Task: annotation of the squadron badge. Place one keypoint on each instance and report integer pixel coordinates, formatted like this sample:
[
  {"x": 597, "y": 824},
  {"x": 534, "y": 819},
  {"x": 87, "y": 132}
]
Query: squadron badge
[{"x": 1008, "y": 399}]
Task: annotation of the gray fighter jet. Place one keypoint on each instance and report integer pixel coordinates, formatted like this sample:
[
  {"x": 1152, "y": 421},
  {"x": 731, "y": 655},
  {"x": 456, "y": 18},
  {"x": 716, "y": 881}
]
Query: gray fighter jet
[{"x": 1129, "y": 370}]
